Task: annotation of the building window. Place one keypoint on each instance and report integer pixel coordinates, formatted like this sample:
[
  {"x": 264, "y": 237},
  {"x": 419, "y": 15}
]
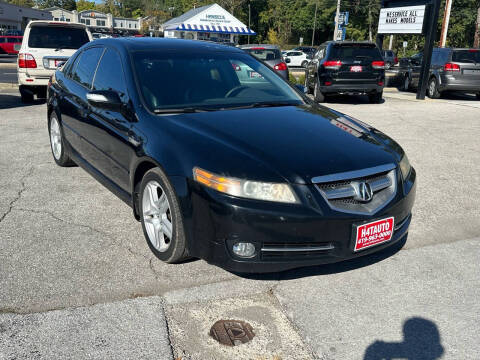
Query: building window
[
  {"x": 129, "y": 25},
  {"x": 68, "y": 20},
  {"x": 100, "y": 22},
  {"x": 55, "y": 19},
  {"x": 82, "y": 21},
  {"x": 87, "y": 22}
]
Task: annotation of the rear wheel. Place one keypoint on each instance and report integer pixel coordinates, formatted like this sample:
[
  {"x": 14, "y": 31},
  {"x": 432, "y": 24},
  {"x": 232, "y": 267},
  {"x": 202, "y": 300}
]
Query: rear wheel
[
  {"x": 26, "y": 96},
  {"x": 161, "y": 217},
  {"x": 405, "y": 86},
  {"x": 433, "y": 92},
  {"x": 375, "y": 98},
  {"x": 318, "y": 96},
  {"x": 57, "y": 142}
]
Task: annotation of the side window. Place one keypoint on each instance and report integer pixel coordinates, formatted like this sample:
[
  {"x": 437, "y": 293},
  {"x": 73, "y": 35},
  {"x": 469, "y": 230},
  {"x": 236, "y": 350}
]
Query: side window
[
  {"x": 321, "y": 53},
  {"x": 110, "y": 75},
  {"x": 86, "y": 65}
]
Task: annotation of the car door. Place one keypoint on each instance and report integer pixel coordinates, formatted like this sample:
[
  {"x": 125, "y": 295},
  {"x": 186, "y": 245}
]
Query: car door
[
  {"x": 110, "y": 132},
  {"x": 73, "y": 99}
]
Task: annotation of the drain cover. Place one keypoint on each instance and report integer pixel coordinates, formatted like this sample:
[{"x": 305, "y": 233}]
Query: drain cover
[{"x": 232, "y": 332}]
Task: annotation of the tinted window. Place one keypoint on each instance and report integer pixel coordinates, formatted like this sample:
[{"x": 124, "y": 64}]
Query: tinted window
[
  {"x": 466, "y": 56},
  {"x": 54, "y": 37},
  {"x": 355, "y": 52},
  {"x": 109, "y": 74},
  {"x": 213, "y": 80},
  {"x": 86, "y": 65},
  {"x": 265, "y": 54}
]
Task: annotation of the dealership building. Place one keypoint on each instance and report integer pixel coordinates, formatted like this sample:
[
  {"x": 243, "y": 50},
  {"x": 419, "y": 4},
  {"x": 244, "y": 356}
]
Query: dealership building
[
  {"x": 210, "y": 22},
  {"x": 15, "y": 18}
]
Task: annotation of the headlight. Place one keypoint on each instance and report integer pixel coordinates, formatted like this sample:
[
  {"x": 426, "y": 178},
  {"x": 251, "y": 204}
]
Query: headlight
[
  {"x": 245, "y": 188},
  {"x": 405, "y": 166}
]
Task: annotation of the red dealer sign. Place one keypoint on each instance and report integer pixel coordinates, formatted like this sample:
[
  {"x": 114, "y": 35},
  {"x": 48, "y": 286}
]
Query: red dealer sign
[{"x": 373, "y": 233}]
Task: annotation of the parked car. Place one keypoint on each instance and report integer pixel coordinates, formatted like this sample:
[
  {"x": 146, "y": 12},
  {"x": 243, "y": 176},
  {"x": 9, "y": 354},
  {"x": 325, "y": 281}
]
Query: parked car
[
  {"x": 296, "y": 58},
  {"x": 252, "y": 176},
  {"x": 45, "y": 45},
  {"x": 7, "y": 44},
  {"x": 346, "y": 67},
  {"x": 390, "y": 58},
  {"x": 309, "y": 50},
  {"x": 452, "y": 69},
  {"x": 270, "y": 54}
]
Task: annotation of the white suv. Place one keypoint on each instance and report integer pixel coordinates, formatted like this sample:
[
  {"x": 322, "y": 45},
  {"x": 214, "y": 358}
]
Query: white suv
[{"x": 45, "y": 45}]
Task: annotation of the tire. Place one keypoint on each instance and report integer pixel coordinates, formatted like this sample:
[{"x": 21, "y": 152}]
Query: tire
[
  {"x": 405, "y": 86},
  {"x": 388, "y": 65},
  {"x": 57, "y": 143},
  {"x": 26, "y": 97},
  {"x": 478, "y": 96},
  {"x": 375, "y": 98},
  {"x": 304, "y": 64},
  {"x": 162, "y": 222},
  {"x": 432, "y": 90},
  {"x": 318, "y": 96},
  {"x": 309, "y": 90}
]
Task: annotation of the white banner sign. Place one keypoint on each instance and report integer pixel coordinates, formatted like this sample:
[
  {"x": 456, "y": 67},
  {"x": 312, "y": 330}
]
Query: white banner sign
[{"x": 401, "y": 20}]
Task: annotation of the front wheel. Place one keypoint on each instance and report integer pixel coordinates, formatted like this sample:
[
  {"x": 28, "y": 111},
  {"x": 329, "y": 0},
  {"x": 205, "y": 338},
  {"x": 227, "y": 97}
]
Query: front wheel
[
  {"x": 161, "y": 217},
  {"x": 405, "y": 86},
  {"x": 57, "y": 142},
  {"x": 317, "y": 94}
]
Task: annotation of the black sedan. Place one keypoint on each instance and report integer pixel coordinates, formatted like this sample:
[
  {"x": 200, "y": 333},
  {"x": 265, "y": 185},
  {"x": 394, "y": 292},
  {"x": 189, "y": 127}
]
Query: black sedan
[{"x": 221, "y": 159}]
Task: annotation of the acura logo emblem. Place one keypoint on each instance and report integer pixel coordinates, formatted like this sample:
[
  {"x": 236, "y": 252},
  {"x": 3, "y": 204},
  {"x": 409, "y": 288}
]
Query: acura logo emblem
[{"x": 364, "y": 192}]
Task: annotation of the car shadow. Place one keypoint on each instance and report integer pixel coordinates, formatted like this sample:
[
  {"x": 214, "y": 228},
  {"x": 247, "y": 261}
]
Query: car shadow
[
  {"x": 329, "y": 269},
  {"x": 421, "y": 341},
  {"x": 8, "y": 101},
  {"x": 458, "y": 96}
]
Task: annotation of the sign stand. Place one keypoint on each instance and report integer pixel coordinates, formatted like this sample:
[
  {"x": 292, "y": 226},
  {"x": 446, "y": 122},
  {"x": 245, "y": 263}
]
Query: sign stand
[{"x": 429, "y": 29}]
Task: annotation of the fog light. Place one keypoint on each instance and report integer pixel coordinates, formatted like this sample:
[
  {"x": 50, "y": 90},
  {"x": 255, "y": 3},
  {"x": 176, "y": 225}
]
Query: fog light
[{"x": 243, "y": 249}]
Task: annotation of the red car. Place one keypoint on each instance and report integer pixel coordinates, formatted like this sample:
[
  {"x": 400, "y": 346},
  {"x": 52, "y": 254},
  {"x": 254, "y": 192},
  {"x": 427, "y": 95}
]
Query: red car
[{"x": 7, "y": 43}]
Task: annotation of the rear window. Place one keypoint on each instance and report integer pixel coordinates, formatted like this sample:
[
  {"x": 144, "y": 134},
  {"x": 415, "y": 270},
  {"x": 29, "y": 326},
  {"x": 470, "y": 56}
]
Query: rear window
[
  {"x": 57, "y": 37},
  {"x": 466, "y": 56},
  {"x": 355, "y": 52},
  {"x": 265, "y": 54}
]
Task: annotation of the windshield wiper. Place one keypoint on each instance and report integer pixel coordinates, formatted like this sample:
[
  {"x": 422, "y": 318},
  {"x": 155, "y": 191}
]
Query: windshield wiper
[
  {"x": 186, "y": 110},
  {"x": 260, "y": 105}
]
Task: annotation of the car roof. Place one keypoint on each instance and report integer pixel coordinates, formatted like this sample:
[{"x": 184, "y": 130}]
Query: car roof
[
  {"x": 63, "y": 23},
  {"x": 266, "y": 46},
  {"x": 151, "y": 43},
  {"x": 349, "y": 42}
]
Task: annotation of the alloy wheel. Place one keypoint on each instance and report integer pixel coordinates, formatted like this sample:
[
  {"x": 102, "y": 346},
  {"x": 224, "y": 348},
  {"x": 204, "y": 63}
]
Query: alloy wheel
[
  {"x": 157, "y": 216},
  {"x": 55, "y": 138}
]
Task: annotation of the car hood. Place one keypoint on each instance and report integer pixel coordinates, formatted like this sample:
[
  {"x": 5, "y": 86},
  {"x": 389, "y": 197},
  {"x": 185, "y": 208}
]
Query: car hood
[{"x": 296, "y": 143}]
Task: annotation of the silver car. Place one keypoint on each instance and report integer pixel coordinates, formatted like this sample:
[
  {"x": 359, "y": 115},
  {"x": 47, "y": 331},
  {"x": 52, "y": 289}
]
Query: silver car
[{"x": 270, "y": 54}]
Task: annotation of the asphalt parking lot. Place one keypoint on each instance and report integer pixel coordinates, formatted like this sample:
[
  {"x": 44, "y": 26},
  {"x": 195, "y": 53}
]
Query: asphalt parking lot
[{"x": 78, "y": 281}]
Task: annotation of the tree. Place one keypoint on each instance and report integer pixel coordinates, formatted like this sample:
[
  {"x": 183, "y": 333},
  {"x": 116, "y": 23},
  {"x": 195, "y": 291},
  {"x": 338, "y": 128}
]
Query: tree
[
  {"x": 26, "y": 3},
  {"x": 85, "y": 5}
]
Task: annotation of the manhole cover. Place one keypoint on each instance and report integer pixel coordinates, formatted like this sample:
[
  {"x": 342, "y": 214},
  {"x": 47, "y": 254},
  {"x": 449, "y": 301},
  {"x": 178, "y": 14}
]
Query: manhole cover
[{"x": 232, "y": 332}]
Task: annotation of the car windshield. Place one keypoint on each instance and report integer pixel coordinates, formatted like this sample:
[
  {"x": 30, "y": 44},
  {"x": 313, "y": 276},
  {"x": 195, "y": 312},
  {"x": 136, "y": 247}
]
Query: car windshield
[
  {"x": 57, "y": 37},
  {"x": 208, "y": 81},
  {"x": 265, "y": 54},
  {"x": 466, "y": 56},
  {"x": 355, "y": 52}
]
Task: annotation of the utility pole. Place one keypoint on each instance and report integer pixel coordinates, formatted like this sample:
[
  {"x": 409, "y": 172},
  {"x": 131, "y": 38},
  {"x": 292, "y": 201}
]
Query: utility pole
[
  {"x": 446, "y": 20},
  {"x": 391, "y": 43},
  {"x": 337, "y": 16},
  {"x": 314, "y": 22},
  {"x": 248, "y": 36},
  {"x": 476, "y": 41}
]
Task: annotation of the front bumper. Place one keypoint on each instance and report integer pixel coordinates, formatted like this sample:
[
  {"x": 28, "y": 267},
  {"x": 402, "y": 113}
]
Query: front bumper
[{"x": 218, "y": 221}]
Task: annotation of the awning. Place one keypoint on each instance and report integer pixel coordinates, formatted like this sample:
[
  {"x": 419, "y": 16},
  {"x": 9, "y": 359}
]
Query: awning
[{"x": 212, "y": 29}]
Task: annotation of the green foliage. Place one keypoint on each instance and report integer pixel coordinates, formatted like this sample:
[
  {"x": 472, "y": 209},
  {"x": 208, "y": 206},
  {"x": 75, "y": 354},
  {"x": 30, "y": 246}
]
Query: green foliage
[{"x": 85, "y": 5}]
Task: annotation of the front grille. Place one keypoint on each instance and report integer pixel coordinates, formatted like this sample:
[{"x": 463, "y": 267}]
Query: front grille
[
  {"x": 294, "y": 251},
  {"x": 343, "y": 191}
]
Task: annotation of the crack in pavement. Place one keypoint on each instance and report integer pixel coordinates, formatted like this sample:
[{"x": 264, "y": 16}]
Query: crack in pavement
[{"x": 19, "y": 193}]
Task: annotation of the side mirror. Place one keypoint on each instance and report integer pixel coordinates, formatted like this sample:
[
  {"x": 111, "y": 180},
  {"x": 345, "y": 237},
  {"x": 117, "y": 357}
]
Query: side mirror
[
  {"x": 302, "y": 88},
  {"x": 287, "y": 60},
  {"x": 17, "y": 47},
  {"x": 105, "y": 99}
]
